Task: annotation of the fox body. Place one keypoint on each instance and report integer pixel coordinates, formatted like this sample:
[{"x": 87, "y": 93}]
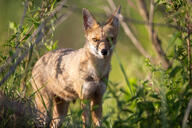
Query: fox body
[{"x": 63, "y": 75}]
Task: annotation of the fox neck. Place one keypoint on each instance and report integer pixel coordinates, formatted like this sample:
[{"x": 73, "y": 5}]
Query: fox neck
[{"x": 100, "y": 66}]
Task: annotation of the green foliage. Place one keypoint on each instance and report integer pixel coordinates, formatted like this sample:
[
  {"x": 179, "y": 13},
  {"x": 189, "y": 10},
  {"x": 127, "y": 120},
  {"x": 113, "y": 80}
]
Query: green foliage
[{"x": 160, "y": 101}]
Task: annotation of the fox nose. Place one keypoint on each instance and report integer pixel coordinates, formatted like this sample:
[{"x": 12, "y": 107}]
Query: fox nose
[{"x": 104, "y": 52}]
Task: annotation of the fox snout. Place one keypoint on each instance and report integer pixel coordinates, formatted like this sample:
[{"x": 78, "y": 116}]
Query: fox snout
[
  {"x": 100, "y": 49},
  {"x": 104, "y": 49},
  {"x": 104, "y": 52}
]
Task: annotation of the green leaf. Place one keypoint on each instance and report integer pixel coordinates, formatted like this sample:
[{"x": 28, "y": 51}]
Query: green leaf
[
  {"x": 13, "y": 26},
  {"x": 174, "y": 71}
]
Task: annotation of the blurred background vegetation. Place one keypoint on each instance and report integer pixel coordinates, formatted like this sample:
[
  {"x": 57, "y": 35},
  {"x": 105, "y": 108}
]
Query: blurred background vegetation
[{"x": 159, "y": 77}]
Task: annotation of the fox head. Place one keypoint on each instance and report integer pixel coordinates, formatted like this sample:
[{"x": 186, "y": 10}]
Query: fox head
[{"x": 101, "y": 39}]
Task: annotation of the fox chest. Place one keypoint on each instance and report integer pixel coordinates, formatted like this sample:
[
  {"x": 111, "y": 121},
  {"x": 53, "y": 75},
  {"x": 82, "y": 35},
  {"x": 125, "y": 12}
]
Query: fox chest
[
  {"x": 92, "y": 89},
  {"x": 92, "y": 85}
]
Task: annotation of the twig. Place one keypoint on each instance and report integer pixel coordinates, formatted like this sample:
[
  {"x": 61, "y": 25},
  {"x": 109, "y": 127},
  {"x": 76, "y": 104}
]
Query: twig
[
  {"x": 189, "y": 57},
  {"x": 128, "y": 32},
  {"x": 189, "y": 48},
  {"x": 187, "y": 112},
  {"x": 21, "y": 22},
  {"x": 60, "y": 20},
  {"x": 143, "y": 9},
  {"x": 24, "y": 14},
  {"x": 144, "y": 13},
  {"x": 151, "y": 15},
  {"x": 135, "y": 21},
  {"x": 58, "y": 8},
  {"x": 29, "y": 31}
]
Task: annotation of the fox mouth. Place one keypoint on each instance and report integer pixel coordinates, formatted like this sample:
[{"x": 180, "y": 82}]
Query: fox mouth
[
  {"x": 100, "y": 54},
  {"x": 103, "y": 55}
]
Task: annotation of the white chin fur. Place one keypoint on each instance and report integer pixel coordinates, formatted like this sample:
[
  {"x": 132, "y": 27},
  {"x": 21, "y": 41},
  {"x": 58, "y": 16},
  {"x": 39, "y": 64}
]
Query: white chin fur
[{"x": 94, "y": 51}]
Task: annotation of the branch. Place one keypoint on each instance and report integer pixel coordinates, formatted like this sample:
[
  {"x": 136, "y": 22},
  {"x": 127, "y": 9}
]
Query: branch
[
  {"x": 128, "y": 32},
  {"x": 21, "y": 22},
  {"x": 24, "y": 14},
  {"x": 58, "y": 8},
  {"x": 156, "y": 41},
  {"x": 135, "y": 21},
  {"x": 143, "y": 9},
  {"x": 60, "y": 20},
  {"x": 144, "y": 13},
  {"x": 189, "y": 47},
  {"x": 153, "y": 35},
  {"x": 187, "y": 112}
]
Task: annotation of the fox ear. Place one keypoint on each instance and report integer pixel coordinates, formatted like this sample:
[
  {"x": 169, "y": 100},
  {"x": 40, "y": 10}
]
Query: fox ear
[
  {"x": 113, "y": 20},
  {"x": 88, "y": 20}
]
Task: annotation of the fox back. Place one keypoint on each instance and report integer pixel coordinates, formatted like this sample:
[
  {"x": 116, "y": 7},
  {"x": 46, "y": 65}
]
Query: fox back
[{"x": 64, "y": 75}]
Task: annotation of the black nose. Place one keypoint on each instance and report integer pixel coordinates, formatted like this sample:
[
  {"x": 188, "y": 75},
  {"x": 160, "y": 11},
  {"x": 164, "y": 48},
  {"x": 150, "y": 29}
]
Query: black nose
[{"x": 104, "y": 52}]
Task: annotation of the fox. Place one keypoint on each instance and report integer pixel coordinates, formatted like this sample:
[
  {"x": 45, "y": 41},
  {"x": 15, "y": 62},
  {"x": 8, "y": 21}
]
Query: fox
[{"x": 64, "y": 75}]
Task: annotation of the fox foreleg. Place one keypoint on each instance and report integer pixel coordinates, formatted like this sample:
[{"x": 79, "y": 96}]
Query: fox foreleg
[{"x": 96, "y": 105}]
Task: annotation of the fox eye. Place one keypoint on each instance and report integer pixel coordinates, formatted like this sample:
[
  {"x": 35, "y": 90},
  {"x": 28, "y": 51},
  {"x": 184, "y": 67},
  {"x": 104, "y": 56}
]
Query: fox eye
[
  {"x": 95, "y": 39},
  {"x": 110, "y": 39}
]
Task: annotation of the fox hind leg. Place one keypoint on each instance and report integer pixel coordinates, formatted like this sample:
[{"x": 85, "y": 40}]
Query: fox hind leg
[
  {"x": 85, "y": 115},
  {"x": 43, "y": 105},
  {"x": 60, "y": 109}
]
